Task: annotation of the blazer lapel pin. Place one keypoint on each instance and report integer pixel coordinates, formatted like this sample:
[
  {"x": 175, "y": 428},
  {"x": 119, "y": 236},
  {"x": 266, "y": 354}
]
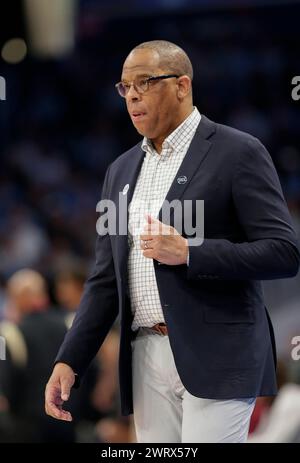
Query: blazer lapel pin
[
  {"x": 125, "y": 189},
  {"x": 181, "y": 180}
]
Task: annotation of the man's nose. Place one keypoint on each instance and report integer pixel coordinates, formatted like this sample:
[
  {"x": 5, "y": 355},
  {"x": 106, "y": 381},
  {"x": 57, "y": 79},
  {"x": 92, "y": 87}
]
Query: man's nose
[{"x": 132, "y": 94}]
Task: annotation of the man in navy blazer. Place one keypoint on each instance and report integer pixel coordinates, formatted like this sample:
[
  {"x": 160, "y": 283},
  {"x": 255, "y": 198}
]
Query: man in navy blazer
[{"x": 213, "y": 328}]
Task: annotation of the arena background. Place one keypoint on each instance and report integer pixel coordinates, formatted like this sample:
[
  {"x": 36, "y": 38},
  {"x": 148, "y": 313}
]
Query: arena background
[{"x": 61, "y": 124}]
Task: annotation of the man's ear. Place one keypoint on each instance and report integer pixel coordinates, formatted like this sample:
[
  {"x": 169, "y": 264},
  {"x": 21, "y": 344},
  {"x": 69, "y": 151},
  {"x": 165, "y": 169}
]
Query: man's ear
[{"x": 184, "y": 86}]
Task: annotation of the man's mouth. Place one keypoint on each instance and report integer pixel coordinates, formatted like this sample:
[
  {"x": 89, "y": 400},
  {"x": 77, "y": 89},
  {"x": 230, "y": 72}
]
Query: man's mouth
[{"x": 137, "y": 115}]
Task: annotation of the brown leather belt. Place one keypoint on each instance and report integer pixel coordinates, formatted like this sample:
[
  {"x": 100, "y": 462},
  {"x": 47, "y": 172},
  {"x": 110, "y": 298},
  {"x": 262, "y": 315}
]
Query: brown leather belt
[{"x": 160, "y": 328}]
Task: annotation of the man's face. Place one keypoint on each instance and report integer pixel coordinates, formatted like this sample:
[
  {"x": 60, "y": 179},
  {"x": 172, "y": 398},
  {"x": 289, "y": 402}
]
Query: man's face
[{"x": 154, "y": 113}]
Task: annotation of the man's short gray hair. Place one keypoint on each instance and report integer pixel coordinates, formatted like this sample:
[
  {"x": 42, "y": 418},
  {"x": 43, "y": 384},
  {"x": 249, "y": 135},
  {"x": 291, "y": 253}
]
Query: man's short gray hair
[{"x": 173, "y": 58}]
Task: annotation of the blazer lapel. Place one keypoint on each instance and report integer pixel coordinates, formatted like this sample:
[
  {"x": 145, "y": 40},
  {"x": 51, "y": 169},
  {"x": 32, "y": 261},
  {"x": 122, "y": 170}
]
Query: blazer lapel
[
  {"x": 131, "y": 177},
  {"x": 195, "y": 155}
]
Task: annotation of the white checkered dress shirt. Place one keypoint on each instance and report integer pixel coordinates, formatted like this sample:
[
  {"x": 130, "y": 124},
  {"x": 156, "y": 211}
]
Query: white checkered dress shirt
[{"x": 154, "y": 181}]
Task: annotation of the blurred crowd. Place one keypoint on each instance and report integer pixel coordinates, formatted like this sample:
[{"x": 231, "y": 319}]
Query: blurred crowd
[
  {"x": 33, "y": 330},
  {"x": 64, "y": 122},
  {"x": 62, "y": 125}
]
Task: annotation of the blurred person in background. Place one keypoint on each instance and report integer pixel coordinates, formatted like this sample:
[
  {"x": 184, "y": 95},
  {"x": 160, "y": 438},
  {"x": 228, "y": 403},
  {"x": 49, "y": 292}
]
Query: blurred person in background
[
  {"x": 264, "y": 404},
  {"x": 68, "y": 287},
  {"x": 277, "y": 419},
  {"x": 31, "y": 343},
  {"x": 176, "y": 296},
  {"x": 2, "y": 298},
  {"x": 98, "y": 398}
]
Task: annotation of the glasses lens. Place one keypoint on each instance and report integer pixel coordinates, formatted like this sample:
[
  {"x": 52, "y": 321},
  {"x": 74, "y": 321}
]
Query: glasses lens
[
  {"x": 121, "y": 89},
  {"x": 141, "y": 85}
]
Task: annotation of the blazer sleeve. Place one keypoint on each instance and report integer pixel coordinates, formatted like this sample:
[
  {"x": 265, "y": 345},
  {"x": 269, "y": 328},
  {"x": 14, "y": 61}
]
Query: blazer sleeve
[
  {"x": 271, "y": 249},
  {"x": 97, "y": 311}
]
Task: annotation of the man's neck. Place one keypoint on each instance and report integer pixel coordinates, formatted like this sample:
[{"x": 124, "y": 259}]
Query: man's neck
[{"x": 158, "y": 142}]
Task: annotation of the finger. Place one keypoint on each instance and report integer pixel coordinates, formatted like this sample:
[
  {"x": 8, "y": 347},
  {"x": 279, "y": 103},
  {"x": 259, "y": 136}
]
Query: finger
[
  {"x": 149, "y": 253},
  {"x": 56, "y": 412},
  {"x": 65, "y": 389},
  {"x": 146, "y": 237},
  {"x": 149, "y": 218},
  {"x": 53, "y": 402},
  {"x": 152, "y": 222},
  {"x": 146, "y": 245},
  {"x": 161, "y": 229},
  {"x": 152, "y": 229},
  {"x": 155, "y": 227}
]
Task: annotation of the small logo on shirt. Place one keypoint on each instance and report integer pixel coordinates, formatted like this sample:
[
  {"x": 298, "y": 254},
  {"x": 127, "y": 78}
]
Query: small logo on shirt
[
  {"x": 181, "y": 180},
  {"x": 125, "y": 189}
]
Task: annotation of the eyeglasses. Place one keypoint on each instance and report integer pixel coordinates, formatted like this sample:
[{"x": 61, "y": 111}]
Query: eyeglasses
[{"x": 141, "y": 85}]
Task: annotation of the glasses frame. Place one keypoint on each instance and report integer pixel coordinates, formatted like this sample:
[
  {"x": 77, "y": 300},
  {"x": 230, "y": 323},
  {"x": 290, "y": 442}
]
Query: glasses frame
[{"x": 147, "y": 80}]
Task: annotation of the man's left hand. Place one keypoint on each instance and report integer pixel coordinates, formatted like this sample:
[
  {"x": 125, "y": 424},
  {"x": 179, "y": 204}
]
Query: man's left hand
[{"x": 163, "y": 243}]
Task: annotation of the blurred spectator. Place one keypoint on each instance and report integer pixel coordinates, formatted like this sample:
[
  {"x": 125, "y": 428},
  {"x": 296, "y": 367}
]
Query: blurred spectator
[
  {"x": 264, "y": 404},
  {"x": 2, "y": 299},
  {"x": 277, "y": 419},
  {"x": 24, "y": 244},
  {"x": 282, "y": 423},
  {"x": 99, "y": 390},
  {"x": 31, "y": 344},
  {"x": 68, "y": 290}
]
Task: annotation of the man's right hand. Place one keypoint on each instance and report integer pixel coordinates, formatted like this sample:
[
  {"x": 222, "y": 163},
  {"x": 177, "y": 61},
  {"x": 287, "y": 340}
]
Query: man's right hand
[{"x": 58, "y": 391}]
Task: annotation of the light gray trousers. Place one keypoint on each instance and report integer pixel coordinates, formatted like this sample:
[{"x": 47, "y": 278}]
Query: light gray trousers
[{"x": 165, "y": 412}]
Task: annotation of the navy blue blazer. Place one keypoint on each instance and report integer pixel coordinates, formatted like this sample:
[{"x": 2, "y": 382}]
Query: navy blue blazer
[{"x": 219, "y": 329}]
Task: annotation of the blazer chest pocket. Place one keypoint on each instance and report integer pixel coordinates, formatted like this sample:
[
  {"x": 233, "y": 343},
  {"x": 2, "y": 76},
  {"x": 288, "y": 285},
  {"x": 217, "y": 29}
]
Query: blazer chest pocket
[{"x": 229, "y": 315}]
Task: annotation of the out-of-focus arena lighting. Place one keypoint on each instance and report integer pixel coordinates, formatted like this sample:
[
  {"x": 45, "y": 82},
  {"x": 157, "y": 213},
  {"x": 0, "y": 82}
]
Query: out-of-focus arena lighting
[
  {"x": 51, "y": 26},
  {"x": 14, "y": 51}
]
